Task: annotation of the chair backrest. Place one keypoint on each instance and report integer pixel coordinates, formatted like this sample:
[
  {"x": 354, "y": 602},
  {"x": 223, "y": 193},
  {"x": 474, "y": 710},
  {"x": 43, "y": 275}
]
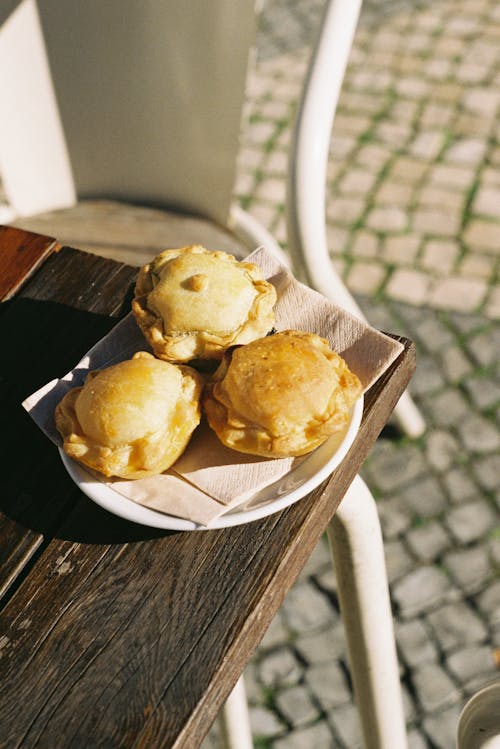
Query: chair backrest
[{"x": 123, "y": 99}]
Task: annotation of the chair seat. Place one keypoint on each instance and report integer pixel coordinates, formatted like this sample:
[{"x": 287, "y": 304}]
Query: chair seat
[{"x": 128, "y": 233}]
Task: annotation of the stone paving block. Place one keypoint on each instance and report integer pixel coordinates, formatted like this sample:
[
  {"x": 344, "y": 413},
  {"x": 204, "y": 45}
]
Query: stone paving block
[
  {"x": 468, "y": 125},
  {"x": 409, "y": 707},
  {"x": 279, "y": 668},
  {"x": 479, "y": 434},
  {"x": 434, "y": 688},
  {"x": 365, "y": 277},
  {"x": 328, "y": 684},
  {"x": 321, "y": 647},
  {"x": 424, "y": 498},
  {"x": 327, "y": 580},
  {"x": 387, "y": 219},
  {"x": 276, "y": 634},
  {"x": 296, "y": 706},
  {"x": 436, "y": 114},
  {"x": 456, "y": 625},
  {"x": 442, "y": 727},
  {"x": 404, "y": 110},
  {"x": 432, "y": 333},
  {"x": 264, "y": 722},
  {"x": 482, "y": 99},
  {"x": 439, "y": 255},
  {"x": 415, "y": 642},
  {"x": 492, "y": 306},
  {"x": 271, "y": 189},
  {"x": 356, "y": 182},
  {"x": 481, "y": 233},
  {"x": 488, "y": 603},
  {"x": 487, "y": 471},
  {"x": 451, "y": 175},
  {"x": 408, "y": 170},
  {"x": 494, "y": 549},
  {"x": 484, "y": 391},
  {"x": 409, "y": 285},
  {"x": 253, "y": 688},
  {"x": 305, "y": 608},
  {"x": 345, "y": 721},
  {"x": 443, "y": 450},
  {"x": 448, "y": 408},
  {"x": 455, "y": 292},
  {"x": 472, "y": 663},
  {"x": 260, "y": 133},
  {"x": 455, "y": 364},
  {"x": 277, "y": 163},
  {"x": 437, "y": 221},
  {"x": 441, "y": 198},
  {"x": 487, "y": 201},
  {"x": 373, "y": 155},
  {"x": 482, "y": 266},
  {"x": 469, "y": 522},
  {"x": 401, "y": 249},
  {"x": 319, "y": 561},
  {"x": 422, "y": 590},
  {"x": 485, "y": 344},
  {"x": 470, "y": 568},
  {"x": 263, "y": 212},
  {"x": 416, "y": 740},
  {"x": 395, "y": 517},
  {"x": 428, "y": 377},
  {"x": 394, "y": 133},
  {"x": 490, "y": 176},
  {"x": 365, "y": 244},
  {"x": 428, "y": 541},
  {"x": 394, "y": 194},
  {"x": 391, "y": 468},
  {"x": 397, "y": 560},
  {"x": 345, "y": 210},
  {"x": 317, "y": 736}
]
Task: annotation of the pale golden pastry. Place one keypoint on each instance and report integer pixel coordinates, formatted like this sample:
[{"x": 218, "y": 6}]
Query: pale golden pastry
[
  {"x": 280, "y": 396},
  {"x": 194, "y": 303},
  {"x": 133, "y": 419}
]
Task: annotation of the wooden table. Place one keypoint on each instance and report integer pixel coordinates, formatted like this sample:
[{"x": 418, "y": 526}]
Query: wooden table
[{"x": 113, "y": 634}]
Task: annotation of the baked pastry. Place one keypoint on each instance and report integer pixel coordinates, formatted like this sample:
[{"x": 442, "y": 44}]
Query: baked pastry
[
  {"x": 280, "y": 396},
  {"x": 194, "y": 303},
  {"x": 133, "y": 419}
]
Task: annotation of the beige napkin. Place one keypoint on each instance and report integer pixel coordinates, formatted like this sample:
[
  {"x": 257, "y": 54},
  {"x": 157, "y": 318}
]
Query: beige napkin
[{"x": 209, "y": 479}]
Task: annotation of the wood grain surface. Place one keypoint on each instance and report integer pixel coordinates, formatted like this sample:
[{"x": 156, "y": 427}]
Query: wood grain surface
[
  {"x": 113, "y": 634},
  {"x": 21, "y": 254}
]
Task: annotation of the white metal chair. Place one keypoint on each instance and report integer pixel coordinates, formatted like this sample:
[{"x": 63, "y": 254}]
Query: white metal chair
[{"x": 142, "y": 102}]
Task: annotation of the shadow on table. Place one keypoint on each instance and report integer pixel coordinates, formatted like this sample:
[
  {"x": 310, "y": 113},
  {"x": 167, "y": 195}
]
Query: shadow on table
[{"x": 42, "y": 340}]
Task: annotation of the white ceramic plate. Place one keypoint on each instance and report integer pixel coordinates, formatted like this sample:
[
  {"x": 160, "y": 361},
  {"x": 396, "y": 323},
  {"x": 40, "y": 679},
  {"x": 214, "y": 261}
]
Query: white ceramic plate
[{"x": 316, "y": 467}]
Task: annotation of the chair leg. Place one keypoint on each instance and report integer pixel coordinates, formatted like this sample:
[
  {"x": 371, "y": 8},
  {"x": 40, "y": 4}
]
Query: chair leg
[
  {"x": 235, "y": 720},
  {"x": 479, "y": 722},
  {"x": 409, "y": 417},
  {"x": 358, "y": 555}
]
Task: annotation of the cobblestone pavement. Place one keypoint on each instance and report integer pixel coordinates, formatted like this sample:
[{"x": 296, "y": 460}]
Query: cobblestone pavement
[{"x": 414, "y": 228}]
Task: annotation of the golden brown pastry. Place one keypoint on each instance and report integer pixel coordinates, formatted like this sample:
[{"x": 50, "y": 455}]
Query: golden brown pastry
[
  {"x": 193, "y": 303},
  {"x": 280, "y": 396},
  {"x": 133, "y": 419}
]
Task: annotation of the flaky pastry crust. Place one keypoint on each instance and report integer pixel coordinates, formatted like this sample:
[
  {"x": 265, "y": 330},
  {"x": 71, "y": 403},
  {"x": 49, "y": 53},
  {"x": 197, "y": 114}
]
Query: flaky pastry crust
[
  {"x": 133, "y": 419},
  {"x": 193, "y": 303},
  {"x": 280, "y": 396}
]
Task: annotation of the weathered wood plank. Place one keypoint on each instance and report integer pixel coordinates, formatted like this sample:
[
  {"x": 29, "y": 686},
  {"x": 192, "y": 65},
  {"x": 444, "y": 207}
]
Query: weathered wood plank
[{"x": 22, "y": 253}]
